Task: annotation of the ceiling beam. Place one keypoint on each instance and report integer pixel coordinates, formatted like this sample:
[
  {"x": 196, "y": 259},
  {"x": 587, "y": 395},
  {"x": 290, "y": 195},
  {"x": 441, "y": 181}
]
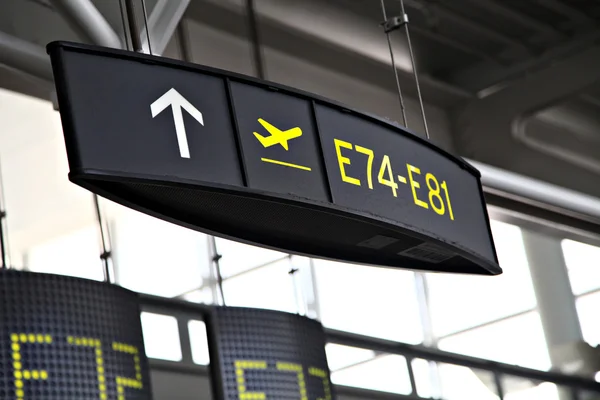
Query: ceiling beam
[
  {"x": 500, "y": 7},
  {"x": 468, "y": 23},
  {"x": 572, "y": 13},
  {"x": 25, "y": 56},
  {"x": 162, "y": 23},
  {"x": 88, "y": 22},
  {"x": 489, "y": 129},
  {"x": 484, "y": 76}
]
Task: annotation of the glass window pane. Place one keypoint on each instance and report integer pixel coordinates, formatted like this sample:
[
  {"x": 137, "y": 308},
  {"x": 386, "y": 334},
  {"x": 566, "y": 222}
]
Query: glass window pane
[
  {"x": 205, "y": 296},
  {"x": 583, "y": 263},
  {"x": 518, "y": 340},
  {"x": 238, "y": 257},
  {"x": 521, "y": 389},
  {"x": 268, "y": 287},
  {"x": 339, "y": 356},
  {"x": 41, "y": 202},
  {"x": 387, "y": 373},
  {"x": 156, "y": 257},
  {"x": 587, "y": 309},
  {"x": 462, "y": 383},
  {"x": 370, "y": 301},
  {"x": 423, "y": 372},
  {"x": 161, "y": 336},
  {"x": 459, "y": 302},
  {"x": 199, "y": 342},
  {"x": 76, "y": 254}
]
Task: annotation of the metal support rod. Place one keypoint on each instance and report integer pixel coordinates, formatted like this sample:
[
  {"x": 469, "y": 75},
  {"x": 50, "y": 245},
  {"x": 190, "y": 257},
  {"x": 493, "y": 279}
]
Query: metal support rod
[
  {"x": 105, "y": 241},
  {"x": 255, "y": 38},
  {"x": 414, "y": 66},
  {"x": 533, "y": 189},
  {"x": 146, "y": 27},
  {"x": 134, "y": 30},
  {"x": 215, "y": 261},
  {"x": 3, "y": 240},
  {"x": 398, "y": 88},
  {"x": 499, "y": 385},
  {"x": 86, "y": 20},
  {"x": 25, "y": 56}
]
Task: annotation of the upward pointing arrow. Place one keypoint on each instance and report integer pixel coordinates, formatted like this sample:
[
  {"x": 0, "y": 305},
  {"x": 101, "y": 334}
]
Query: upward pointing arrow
[{"x": 176, "y": 101}]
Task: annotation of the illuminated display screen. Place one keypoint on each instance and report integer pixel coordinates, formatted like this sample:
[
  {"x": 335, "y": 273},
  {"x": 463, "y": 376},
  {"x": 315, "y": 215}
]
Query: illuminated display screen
[
  {"x": 263, "y": 354},
  {"x": 66, "y": 338},
  {"x": 265, "y": 164}
]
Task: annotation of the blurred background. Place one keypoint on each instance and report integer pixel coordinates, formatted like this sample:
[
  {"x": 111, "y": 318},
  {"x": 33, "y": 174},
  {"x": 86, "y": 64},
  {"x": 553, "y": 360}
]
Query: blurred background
[{"x": 513, "y": 86}]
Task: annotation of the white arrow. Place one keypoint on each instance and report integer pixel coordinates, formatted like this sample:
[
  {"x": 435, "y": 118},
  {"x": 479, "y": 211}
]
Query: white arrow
[{"x": 176, "y": 101}]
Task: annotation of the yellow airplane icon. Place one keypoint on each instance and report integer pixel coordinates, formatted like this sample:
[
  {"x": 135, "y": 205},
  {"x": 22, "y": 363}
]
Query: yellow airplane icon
[{"x": 277, "y": 135}]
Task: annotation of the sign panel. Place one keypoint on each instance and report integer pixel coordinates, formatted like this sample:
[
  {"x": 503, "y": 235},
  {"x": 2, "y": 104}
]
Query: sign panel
[
  {"x": 264, "y": 164},
  {"x": 279, "y": 142},
  {"x": 264, "y": 354},
  {"x": 68, "y": 338},
  {"x": 372, "y": 168}
]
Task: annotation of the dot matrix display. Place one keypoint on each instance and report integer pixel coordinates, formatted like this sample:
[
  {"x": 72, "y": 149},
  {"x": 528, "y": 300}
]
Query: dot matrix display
[
  {"x": 64, "y": 338},
  {"x": 264, "y": 355}
]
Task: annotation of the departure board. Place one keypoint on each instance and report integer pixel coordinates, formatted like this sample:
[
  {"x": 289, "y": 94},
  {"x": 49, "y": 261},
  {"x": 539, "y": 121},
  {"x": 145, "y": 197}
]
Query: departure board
[
  {"x": 64, "y": 338},
  {"x": 263, "y": 354},
  {"x": 265, "y": 164}
]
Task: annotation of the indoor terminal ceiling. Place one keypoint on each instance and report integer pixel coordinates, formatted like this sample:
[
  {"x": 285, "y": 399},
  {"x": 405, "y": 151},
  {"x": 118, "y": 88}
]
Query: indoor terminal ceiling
[{"x": 519, "y": 79}]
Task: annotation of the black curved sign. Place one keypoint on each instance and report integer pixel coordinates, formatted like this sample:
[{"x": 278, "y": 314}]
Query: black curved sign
[
  {"x": 265, "y": 164},
  {"x": 69, "y": 338},
  {"x": 263, "y": 354}
]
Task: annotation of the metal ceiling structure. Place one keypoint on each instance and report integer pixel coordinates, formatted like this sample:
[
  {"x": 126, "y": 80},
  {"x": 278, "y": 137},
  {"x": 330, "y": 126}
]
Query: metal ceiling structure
[{"x": 519, "y": 79}]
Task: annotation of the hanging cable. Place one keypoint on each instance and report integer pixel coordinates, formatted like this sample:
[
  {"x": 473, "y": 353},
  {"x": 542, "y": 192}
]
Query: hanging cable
[
  {"x": 146, "y": 25},
  {"x": 216, "y": 257},
  {"x": 414, "y": 67},
  {"x": 389, "y": 41},
  {"x": 134, "y": 31},
  {"x": 125, "y": 30},
  {"x": 105, "y": 241},
  {"x": 255, "y": 38},
  {"x": 3, "y": 231}
]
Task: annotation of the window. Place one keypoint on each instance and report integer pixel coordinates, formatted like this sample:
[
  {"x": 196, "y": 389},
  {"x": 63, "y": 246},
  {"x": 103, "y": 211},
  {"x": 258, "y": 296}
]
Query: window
[
  {"x": 238, "y": 257},
  {"x": 462, "y": 383},
  {"x": 459, "y": 302},
  {"x": 583, "y": 264},
  {"x": 76, "y": 254},
  {"x": 157, "y": 257},
  {"x": 587, "y": 309},
  {"x": 521, "y": 389},
  {"x": 268, "y": 287},
  {"x": 41, "y": 203},
  {"x": 386, "y": 373},
  {"x": 339, "y": 356},
  {"x": 518, "y": 340},
  {"x": 199, "y": 342},
  {"x": 370, "y": 301},
  {"x": 161, "y": 336}
]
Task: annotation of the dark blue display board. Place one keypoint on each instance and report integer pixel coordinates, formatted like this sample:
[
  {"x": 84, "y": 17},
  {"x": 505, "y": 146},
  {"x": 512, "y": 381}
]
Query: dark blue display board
[{"x": 265, "y": 164}]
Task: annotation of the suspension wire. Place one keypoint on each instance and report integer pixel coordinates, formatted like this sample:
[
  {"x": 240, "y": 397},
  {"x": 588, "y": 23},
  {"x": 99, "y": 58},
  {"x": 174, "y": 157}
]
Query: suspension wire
[
  {"x": 146, "y": 24},
  {"x": 399, "y": 89},
  {"x": 4, "y": 247},
  {"x": 125, "y": 30},
  {"x": 255, "y": 38},
  {"x": 105, "y": 241},
  {"x": 134, "y": 31},
  {"x": 215, "y": 259},
  {"x": 414, "y": 67}
]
